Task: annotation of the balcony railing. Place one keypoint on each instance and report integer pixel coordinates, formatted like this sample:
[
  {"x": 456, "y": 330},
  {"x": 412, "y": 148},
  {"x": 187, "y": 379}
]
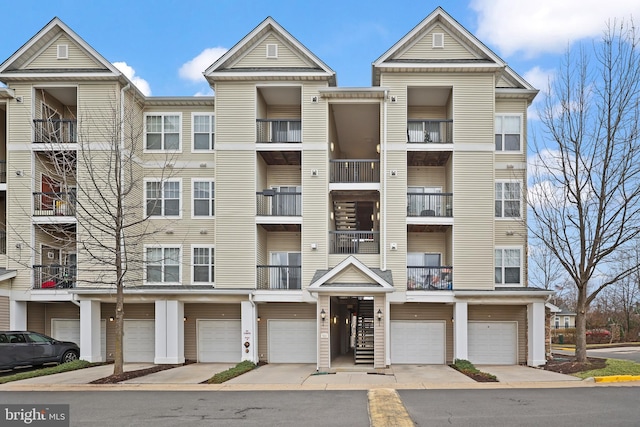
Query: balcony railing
[
  {"x": 3, "y": 242},
  {"x": 54, "y": 276},
  {"x": 54, "y": 204},
  {"x": 278, "y": 203},
  {"x": 354, "y": 242},
  {"x": 430, "y": 204},
  {"x": 55, "y": 131},
  {"x": 281, "y": 277},
  {"x": 430, "y": 131},
  {"x": 354, "y": 171},
  {"x": 3, "y": 171},
  {"x": 278, "y": 131},
  {"x": 429, "y": 278}
]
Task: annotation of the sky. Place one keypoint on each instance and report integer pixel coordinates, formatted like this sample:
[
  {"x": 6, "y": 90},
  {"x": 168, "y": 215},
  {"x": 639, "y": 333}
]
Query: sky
[{"x": 163, "y": 46}]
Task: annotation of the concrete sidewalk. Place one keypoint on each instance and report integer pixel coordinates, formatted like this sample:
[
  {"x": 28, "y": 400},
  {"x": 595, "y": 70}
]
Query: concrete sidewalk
[{"x": 81, "y": 376}]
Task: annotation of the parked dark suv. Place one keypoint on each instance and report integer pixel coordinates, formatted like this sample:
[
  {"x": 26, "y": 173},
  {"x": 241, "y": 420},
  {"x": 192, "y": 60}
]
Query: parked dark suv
[{"x": 22, "y": 348}]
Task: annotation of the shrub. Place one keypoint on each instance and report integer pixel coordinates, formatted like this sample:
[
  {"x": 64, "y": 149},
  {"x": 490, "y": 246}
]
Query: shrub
[
  {"x": 230, "y": 373},
  {"x": 467, "y": 368}
]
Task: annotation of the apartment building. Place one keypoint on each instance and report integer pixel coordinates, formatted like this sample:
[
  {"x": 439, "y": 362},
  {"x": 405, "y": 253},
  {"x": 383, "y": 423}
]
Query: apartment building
[{"x": 301, "y": 221}]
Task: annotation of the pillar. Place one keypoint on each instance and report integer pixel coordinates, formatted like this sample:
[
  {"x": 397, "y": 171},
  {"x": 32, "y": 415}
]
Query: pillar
[
  {"x": 169, "y": 332},
  {"x": 460, "y": 331},
  {"x": 90, "y": 338},
  {"x": 18, "y": 315},
  {"x": 249, "y": 316},
  {"x": 536, "y": 327}
]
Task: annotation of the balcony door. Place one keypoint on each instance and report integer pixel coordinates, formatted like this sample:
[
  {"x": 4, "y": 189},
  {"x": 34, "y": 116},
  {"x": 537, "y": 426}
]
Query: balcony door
[
  {"x": 423, "y": 202},
  {"x": 287, "y": 275},
  {"x": 286, "y": 201},
  {"x": 50, "y": 189}
]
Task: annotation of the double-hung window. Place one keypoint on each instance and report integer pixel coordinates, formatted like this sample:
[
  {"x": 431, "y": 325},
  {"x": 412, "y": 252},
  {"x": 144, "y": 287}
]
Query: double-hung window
[
  {"x": 162, "y": 198},
  {"x": 204, "y": 132},
  {"x": 163, "y": 264},
  {"x": 162, "y": 131},
  {"x": 508, "y": 195},
  {"x": 204, "y": 202},
  {"x": 508, "y": 263},
  {"x": 203, "y": 264},
  {"x": 508, "y": 132}
]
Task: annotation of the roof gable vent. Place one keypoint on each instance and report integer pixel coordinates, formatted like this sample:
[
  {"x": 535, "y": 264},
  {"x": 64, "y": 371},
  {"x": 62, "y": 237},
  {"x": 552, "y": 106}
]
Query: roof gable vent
[
  {"x": 438, "y": 40},
  {"x": 63, "y": 51},
  {"x": 272, "y": 50}
]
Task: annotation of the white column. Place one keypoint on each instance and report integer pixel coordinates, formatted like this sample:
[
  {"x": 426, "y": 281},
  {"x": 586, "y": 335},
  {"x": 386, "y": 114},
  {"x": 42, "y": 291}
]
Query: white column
[
  {"x": 90, "y": 338},
  {"x": 169, "y": 332},
  {"x": 536, "y": 326},
  {"x": 460, "y": 334},
  {"x": 249, "y": 345},
  {"x": 18, "y": 315}
]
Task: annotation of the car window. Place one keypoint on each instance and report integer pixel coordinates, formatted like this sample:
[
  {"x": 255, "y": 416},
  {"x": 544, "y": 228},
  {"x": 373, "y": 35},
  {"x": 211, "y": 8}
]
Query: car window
[
  {"x": 15, "y": 338},
  {"x": 33, "y": 337}
]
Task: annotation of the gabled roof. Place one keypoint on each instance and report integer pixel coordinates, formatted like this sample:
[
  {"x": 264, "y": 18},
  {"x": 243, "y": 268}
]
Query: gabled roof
[
  {"x": 374, "y": 280},
  {"x": 230, "y": 64},
  {"x": 16, "y": 65},
  {"x": 471, "y": 53}
]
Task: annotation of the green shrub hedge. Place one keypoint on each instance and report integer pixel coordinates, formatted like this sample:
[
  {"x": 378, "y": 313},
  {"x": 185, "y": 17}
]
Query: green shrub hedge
[{"x": 230, "y": 373}]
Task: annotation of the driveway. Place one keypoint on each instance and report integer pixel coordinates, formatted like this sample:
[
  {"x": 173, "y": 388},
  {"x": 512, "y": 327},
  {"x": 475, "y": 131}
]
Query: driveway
[
  {"x": 624, "y": 353},
  {"x": 524, "y": 374},
  {"x": 81, "y": 376},
  {"x": 193, "y": 373}
]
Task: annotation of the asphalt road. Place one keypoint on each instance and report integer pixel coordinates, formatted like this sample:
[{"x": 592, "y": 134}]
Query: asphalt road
[
  {"x": 610, "y": 406},
  {"x": 627, "y": 353}
]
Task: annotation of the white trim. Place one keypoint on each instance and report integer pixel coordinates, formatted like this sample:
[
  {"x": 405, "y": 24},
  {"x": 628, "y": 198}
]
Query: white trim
[
  {"x": 509, "y": 247},
  {"x": 62, "y": 51},
  {"x": 192, "y": 263},
  {"x": 522, "y": 133},
  {"x": 162, "y": 181},
  {"x": 163, "y": 115},
  {"x": 163, "y": 247},
  {"x": 212, "y": 132},
  {"x": 502, "y": 200},
  {"x": 347, "y": 262},
  {"x": 212, "y": 197},
  {"x": 437, "y": 40}
]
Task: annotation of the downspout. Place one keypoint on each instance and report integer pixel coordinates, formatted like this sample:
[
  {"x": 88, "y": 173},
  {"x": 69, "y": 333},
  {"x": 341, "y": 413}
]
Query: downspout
[
  {"x": 384, "y": 182},
  {"x": 254, "y": 344}
]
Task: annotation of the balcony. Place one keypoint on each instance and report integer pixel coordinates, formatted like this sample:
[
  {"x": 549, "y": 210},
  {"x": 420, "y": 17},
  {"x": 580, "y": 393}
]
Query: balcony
[
  {"x": 279, "y": 277},
  {"x": 55, "y": 131},
  {"x": 278, "y": 203},
  {"x": 354, "y": 171},
  {"x": 278, "y": 131},
  {"x": 3, "y": 171},
  {"x": 429, "y": 278},
  {"x": 430, "y": 131},
  {"x": 3, "y": 242},
  {"x": 354, "y": 242},
  {"x": 430, "y": 205},
  {"x": 54, "y": 204},
  {"x": 54, "y": 276}
]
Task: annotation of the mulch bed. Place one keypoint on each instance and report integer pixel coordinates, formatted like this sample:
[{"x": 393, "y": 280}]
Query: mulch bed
[
  {"x": 568, "y": 365},
  {"x": 480, "y": 377},
  {"x": 129, "y": 375}
]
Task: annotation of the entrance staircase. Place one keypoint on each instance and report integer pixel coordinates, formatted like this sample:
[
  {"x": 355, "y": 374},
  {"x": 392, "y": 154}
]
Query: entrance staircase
[{"x": 364, "y": 342}]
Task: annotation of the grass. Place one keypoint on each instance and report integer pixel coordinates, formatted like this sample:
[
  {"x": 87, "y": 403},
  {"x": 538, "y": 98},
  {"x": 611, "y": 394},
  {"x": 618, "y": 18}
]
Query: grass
[
  {"x": 471, "y": 371},
  {"x": 230, "y": 373},
  {"x": 614, "y": 367},
  {"x": 64, "y": 367}
]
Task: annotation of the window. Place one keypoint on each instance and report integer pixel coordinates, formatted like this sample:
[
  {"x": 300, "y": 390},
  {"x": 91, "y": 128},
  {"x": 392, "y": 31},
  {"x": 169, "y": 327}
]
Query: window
[
  {"x": 556, "y": 322},
  {"x": 508, "y": 196},
  {"x": 566, "y": 321},
  {"x": 162, "y": 132},
  {"x": 285, "y": 270},
  {"x": 203, "y": 264},
  {"x": 508, "y": 266},
  {"x": 286, "y": 201},
  {"x": 204, "y": 198},
  {"x": 508, "y": 133},
  {"x": 162, "y": 198},
  {"x": 204, "y": 131},
  {"x": 163, "y": 265}
]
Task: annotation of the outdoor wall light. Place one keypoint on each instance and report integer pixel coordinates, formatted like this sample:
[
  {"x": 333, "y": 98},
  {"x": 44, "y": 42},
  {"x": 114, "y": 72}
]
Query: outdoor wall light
[
  {"x": 379, "y": 313},
  {"x": 323, "y": 315},
  {"x": 111, "y": 319},
  {"x": 259, "y": 319},
  {"x": 185, "y": 318}
]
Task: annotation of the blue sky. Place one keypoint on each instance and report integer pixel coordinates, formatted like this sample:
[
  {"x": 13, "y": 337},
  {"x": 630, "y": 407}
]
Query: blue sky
[{"x": 164, "y": 45}]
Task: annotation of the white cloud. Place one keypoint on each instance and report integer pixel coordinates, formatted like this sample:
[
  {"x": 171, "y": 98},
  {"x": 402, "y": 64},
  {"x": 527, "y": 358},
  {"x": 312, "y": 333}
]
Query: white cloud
[
  {"x": 545, "y": 25},
  {"x": 540, "y": 79},
  {"x": 130, "y": 73},
  {"x": 192, "y": 70},
  {"x": 205, "y": 92}
]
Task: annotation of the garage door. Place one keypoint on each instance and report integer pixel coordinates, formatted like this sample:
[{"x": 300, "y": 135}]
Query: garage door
[
  {"x": 139, "y": 340},
  {"x": 219, "y": 340},
  {"x": 493, "y": 343},
  {"x": 292, "y": 341},
  {"x": 69, "y": 330},
  {"x": 417, "y": 342}
]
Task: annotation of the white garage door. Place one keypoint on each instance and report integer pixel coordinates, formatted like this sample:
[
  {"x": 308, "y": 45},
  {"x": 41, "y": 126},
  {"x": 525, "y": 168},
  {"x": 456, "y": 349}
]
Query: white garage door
[
  {"x": 69, "y": 330},
  {"x": 493, "y": 343},
  {"x": 219, "y": 340},
  {"x": 417, "y": 342},
  {"x": 292, "y": 341},
  {"x": 139, "y": 340}
]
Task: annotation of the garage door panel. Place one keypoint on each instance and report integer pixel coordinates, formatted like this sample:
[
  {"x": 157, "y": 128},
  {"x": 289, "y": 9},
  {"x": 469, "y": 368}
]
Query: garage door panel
[
  {"x": 493, "y": 343},
  {"x": 292, "y": 341},
  {"x": 69, "y": 330},
  {"x": 219, "y": 340},
  {"x": 139, "y": 340},
  {"x": 417, "y": 342}
]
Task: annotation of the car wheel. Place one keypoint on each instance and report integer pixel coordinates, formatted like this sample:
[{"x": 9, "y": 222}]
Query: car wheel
[{"x": 69, "y": 356}]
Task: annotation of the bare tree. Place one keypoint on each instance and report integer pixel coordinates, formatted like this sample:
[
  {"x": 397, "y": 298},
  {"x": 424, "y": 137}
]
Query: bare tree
[
  {"x": 585, "y": 183},
  {"x": 545, "y": 270}
]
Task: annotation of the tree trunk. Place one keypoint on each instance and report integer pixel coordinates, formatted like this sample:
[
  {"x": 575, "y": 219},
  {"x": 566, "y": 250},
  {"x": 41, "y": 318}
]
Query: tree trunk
[
  {"x": 118, "y": 365},
  {"x": 581, "y": 325}
]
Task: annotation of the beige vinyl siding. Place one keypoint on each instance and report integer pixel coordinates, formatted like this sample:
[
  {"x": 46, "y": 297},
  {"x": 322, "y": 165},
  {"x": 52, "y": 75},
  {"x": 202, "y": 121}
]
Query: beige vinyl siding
[
  {"x": 257, "y": 56},
  {"x": 396, "y": 221},
  {"x": 235, "y": 220},
  {"x": 427, "y": 176},
  {"x": 283, "y": 112},
  {"x": 350, "y": 275},
  {"x": 420, "y": 112},
  {"x": 283, "y": 176},
  {"x": 262, "y": 257},
  {"x": 280, "y": 311},
  {"x": 502, "y": 82},
  {"x": 98, "y": 108},
  {"x": 261, "y": 173},
  {"x": 283, "y": 242},
  {"x": 433, "y": 243},
  {"x": 379, "y": 359},
  {"x": 131, "y": 311},
  {"x": 19, "y": 115},
  {"x": 370, "y": 260},
  {"x": 510, "y": 106},
  {"x": 517, "y": 226},
  {"x": 511, "y": 313},
  {"x": 235, "y": 117},
  {"x": 315, "y": 211},
  {"x": 421, "y": 311},
  {"x": 314, "y": 116},
  {"x": 324, "y": 344},
  {"x": 66, "y": 310},
  {"x": 4, "y": 313},
  {"x": 423, "y": 48},
  {"x": 193, "y": 312},
  {"x": 37, "y": 317},
  {"x": 77, "y": 57}
]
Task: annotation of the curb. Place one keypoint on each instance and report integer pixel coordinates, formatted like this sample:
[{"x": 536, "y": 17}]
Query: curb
[{"x": 616, "y": 378}]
